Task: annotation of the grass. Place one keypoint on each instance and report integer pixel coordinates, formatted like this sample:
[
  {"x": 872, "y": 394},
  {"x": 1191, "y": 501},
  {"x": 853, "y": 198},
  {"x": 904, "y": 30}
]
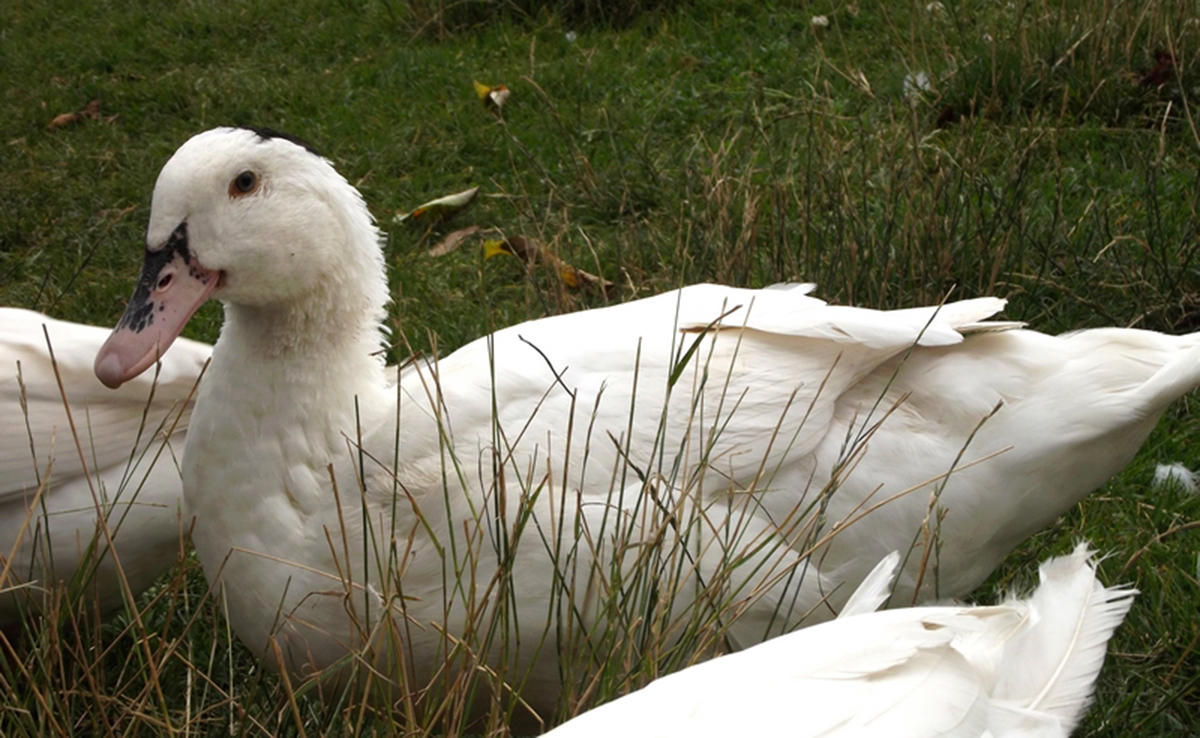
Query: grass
[{"x": 729, "y": 141}]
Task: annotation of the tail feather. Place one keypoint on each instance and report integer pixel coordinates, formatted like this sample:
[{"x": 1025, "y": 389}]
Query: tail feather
[
  {"x": 1050, "y": 667},
  {"x": 1174, "y": 380},
  {"x": 962, "y": 312},
  {"x": 875, "y": 589}
]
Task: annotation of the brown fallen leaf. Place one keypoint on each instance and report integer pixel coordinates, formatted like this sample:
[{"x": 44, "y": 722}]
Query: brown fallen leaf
[
  {"x": 1163, "y": 71},
  {"x": 453, "y": 240},
  {"x": 62, "y": 120},
  {"x": 530, "y": 252},
  {"x": 948, "y": 117}
]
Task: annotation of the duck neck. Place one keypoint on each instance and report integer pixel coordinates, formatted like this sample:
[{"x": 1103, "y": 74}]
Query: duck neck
[{"x": 320, "y": 352}]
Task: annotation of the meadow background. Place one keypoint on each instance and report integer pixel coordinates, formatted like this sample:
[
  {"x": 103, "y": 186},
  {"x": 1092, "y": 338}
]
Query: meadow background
[{"x": 892, "y": 152}]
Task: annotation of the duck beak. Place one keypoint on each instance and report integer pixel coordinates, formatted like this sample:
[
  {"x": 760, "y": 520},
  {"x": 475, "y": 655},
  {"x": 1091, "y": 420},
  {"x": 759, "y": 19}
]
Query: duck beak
[{"x": 172, "y": 286}]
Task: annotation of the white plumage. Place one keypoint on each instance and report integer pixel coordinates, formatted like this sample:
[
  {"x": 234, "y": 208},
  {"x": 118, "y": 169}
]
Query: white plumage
[
  {"x": 49, "y": 504},
  {"x": 1023, "y": 669},
  {"x": 683, "y": 453}
]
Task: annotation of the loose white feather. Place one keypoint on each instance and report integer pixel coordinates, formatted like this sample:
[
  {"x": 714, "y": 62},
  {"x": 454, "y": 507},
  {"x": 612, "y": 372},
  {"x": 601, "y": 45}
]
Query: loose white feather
[{"x": 1177, "y": 474}]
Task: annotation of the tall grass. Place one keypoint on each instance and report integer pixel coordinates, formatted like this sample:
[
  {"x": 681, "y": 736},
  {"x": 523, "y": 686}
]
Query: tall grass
[{"x": 1040, "y": 159}]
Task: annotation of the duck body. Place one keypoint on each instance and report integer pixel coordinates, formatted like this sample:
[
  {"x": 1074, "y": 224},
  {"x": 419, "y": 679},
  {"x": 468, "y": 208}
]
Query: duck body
[
  {"x": 1020, "y": 669},
  {"x": 53, "y": 494},
  {"x": 579, "y": 424},
  {"x": 517, "y": 485}
]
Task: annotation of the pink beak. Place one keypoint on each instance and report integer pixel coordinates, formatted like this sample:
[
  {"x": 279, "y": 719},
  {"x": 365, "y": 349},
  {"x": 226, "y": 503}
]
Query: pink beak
[{"x": 172, "y": 286}]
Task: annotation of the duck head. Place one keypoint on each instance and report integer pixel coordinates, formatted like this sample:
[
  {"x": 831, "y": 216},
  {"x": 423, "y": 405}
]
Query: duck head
[{"x": 251, "y": 217}]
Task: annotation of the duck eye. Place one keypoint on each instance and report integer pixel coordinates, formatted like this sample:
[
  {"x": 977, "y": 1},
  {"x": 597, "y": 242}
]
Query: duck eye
[{"x": 243, "y": 184}]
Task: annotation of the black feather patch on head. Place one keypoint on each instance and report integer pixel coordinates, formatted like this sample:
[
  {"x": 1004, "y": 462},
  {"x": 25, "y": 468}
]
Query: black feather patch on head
[{"x": 266, "y": 134}]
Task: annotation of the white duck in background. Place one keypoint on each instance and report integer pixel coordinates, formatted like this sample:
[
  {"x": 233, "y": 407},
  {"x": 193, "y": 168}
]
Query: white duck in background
[
  {"x": 49, "y": 501},
  {"x": 1023, "y": 669},
  {"x": 517, "y": 486}
]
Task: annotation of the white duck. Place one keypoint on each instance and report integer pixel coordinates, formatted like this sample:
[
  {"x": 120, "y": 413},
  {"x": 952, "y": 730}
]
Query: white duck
[
  {"x": 1023, "y": 669},
  {"x": 512, "y": 493},
  {"x": 53, "y": 493}
]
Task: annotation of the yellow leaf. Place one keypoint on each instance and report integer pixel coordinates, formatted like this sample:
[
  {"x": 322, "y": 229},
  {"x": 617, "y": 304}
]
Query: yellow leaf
[
  {"x": 495, "y": 247},
  {"x": 567, "y": 275},
  {"x": 492, "y": 96}
]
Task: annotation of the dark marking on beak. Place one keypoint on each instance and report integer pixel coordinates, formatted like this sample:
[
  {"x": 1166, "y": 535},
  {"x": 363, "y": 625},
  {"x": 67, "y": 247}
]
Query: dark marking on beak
[{"x": 140, "y": 314}]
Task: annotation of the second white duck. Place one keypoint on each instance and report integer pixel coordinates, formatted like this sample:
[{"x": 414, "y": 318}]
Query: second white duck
[{"x": 61, "y": 503}]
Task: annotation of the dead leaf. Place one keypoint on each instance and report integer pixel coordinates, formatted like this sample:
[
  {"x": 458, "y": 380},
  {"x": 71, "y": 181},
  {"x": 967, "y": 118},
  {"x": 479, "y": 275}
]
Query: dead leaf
[
  {"x": 453, "y": 240},
  {"x": 530, "y": 252},
  {"x": 439, "y": 210},
  {"x": 62, "y": 120},
  {"x": 1163, "y": 71}
]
